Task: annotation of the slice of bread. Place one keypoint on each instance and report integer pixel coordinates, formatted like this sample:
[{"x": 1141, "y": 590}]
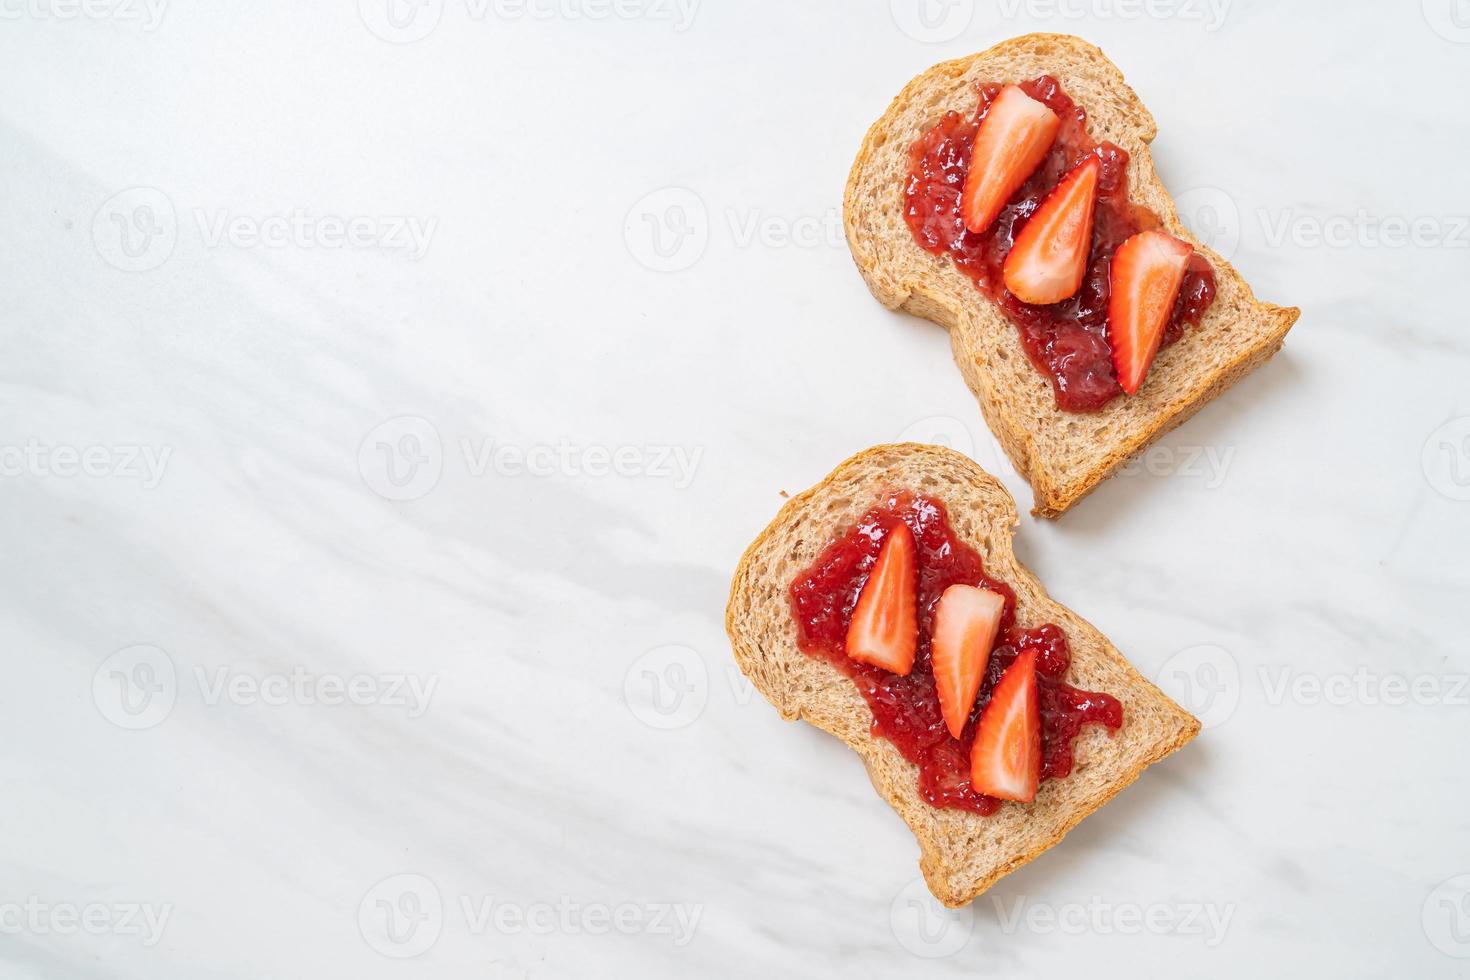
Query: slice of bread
[
  {"x": 962, "y": 853},
  {"x": 1063, "y": 455}
]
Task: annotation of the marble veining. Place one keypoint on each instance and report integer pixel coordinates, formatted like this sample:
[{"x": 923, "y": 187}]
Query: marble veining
[{"x": 390, "y": 388}]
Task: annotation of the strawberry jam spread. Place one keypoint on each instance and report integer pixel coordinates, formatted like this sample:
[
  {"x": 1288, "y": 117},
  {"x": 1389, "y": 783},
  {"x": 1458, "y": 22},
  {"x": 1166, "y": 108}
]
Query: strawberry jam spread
[
  {"x": 1068, "y": 340},
  {"x": 906, "y": 709}
]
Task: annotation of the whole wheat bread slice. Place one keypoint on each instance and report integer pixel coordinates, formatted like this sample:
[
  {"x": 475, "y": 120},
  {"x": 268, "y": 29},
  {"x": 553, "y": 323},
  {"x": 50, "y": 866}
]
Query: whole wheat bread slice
[
  {"x": 962, "y": 853},
  {"x": 1063, "y": 455}
]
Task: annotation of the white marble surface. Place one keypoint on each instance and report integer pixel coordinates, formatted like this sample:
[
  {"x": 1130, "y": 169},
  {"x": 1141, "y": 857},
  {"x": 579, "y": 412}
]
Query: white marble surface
[{"x": 498, "y": 445}]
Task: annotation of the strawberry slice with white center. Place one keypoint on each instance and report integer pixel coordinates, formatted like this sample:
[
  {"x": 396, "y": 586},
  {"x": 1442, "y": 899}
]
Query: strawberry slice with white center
[
  {"x": 884, "y": 631},
  {"x": 1013, "y": 139},
  {"x": 965, "y": 623},
  {"x": 1147, "y": 271},
  {"x": 1049, "y": 258},
  {"x": 1006, "y": 760}
]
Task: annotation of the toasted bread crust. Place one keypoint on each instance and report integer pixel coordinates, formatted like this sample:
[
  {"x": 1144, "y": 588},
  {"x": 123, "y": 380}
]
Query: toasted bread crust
[
  {"x": 961, "y": 854},
  {"x": 1064, "y": 456}
]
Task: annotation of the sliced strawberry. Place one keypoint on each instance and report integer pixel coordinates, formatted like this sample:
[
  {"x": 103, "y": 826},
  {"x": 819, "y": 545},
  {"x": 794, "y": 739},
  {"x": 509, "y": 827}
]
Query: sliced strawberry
[
  {"x": 884, "y": 630},
  {"x": 1006, "y": 760},
  {"x": 1013, "y": 139},
  {"x": 1148, "y": 270},
  {"x": 965, "y": 623},
  {"x": 1049, "y": 258}
]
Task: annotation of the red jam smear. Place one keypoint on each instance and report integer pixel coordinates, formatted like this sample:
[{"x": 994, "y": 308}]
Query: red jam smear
[
  {"x": 906, "y": 709},
  {"x": 1067, "y": 341}
]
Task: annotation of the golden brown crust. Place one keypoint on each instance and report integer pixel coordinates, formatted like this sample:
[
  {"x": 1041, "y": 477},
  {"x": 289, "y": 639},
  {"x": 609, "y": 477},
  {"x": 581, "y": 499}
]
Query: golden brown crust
[
  {"x": 962, "y": 854},
  {"x": 1063, "y": 456}
]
